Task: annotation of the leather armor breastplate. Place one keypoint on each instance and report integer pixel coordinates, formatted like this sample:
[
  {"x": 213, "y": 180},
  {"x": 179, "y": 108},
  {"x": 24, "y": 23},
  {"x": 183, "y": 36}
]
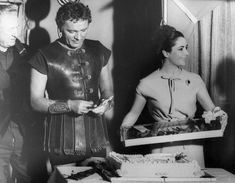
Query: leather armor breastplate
[{"x": 74, "y": 75}]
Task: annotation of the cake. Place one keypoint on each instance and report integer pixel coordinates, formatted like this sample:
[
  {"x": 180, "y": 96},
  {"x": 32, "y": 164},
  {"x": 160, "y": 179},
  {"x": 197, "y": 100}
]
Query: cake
[{"x": 156, "y": 165}]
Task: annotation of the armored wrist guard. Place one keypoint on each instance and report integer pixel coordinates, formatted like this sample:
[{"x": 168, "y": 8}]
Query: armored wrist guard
[{"x": 59, "y": 107}]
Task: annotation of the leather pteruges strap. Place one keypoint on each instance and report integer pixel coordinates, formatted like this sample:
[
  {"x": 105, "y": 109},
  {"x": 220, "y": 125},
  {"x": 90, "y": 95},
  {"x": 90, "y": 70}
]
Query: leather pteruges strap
[
  {"x": 80, "y": 136},
  {"x": 97, "y": 134}
]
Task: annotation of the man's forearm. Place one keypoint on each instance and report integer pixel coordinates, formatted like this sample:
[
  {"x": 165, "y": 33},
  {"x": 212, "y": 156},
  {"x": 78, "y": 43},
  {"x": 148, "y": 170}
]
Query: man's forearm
[{"x": 50, "y": 106}]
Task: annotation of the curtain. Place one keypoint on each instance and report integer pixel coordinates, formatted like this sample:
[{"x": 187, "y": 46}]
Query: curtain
[{"x": 213, "y": 57}]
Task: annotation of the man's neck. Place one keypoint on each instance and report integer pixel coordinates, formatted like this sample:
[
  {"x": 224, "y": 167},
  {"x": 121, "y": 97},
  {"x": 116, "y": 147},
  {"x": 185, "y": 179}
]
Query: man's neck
[
  {"x": 62, "y": 43},
  {"x": 3, "y": 49}
]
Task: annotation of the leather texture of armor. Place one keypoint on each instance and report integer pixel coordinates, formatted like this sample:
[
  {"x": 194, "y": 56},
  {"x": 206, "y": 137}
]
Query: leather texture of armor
[{"x": 74, "y": 75}]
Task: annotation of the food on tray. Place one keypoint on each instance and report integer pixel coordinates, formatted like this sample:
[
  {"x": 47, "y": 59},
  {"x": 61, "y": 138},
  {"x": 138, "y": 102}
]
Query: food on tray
[{"x": 169, "y": 128}]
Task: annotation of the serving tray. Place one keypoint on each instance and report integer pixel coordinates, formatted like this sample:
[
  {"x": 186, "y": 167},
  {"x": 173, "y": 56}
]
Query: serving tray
[{"x": 163, "y": 132}]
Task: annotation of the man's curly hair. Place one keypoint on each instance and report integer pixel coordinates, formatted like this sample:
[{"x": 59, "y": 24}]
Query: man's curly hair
[{"x": 72, "y": 11}]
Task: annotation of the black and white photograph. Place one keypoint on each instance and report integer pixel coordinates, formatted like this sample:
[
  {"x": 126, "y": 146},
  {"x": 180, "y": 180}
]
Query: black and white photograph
[{"x": 120, "y": 91}]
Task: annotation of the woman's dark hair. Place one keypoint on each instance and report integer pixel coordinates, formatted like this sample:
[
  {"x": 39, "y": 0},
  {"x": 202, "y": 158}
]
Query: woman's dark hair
[
  {"x": 72, "y": 11},
  {"x": 165, "y": 39}
]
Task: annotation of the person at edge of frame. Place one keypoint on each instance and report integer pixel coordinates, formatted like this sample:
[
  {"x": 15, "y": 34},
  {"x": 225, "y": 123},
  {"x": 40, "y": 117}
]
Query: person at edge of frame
[{"x": 14, "y": 96}]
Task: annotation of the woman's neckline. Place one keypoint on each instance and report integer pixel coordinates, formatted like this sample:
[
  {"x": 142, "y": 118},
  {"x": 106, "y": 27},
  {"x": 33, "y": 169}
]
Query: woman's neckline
[{"x": 176, "y": 73}]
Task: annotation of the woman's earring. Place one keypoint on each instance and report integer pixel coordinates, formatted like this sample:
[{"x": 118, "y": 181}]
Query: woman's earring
[{"x": 59, "y": 33}]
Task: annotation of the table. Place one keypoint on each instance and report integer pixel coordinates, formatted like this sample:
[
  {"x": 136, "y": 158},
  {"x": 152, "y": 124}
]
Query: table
[
  {"x": 222, "y": 176},
  {"x": 60, "y": 172}
]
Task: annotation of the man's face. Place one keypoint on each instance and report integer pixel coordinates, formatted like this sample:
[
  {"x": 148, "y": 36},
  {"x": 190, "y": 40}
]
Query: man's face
[
  {"x": 8, "y": 29},
  {"x": 74, "y": 32}
]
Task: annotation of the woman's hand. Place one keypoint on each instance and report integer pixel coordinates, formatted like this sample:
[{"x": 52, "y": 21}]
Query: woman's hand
[
  {"x": 223, "y": 119},
  {"x": 128, "y": 122},
  {"x": 216, "y": 113},
  {"x": 123, "y": 132}
]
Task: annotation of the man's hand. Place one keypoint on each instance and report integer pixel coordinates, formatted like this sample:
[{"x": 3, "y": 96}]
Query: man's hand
[
  {"x": 80, "y": 106},
  {"x": 103, "y": 107},
  {"x": 100, "y": 110}
]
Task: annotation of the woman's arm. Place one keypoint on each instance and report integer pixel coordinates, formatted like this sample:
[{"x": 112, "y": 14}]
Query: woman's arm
[
  {"x": 204, "y": 98},
  {"x": 211, "y": 111},
  {"x": 132, "y": 116}
]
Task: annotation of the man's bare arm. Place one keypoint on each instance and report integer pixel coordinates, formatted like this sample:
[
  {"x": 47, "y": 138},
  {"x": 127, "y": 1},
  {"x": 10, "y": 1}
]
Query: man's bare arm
[{"x": 41, "y": 103}]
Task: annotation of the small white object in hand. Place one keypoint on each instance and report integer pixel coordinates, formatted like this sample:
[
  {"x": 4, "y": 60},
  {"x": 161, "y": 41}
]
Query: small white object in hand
[{"x": 212, "y": 115}]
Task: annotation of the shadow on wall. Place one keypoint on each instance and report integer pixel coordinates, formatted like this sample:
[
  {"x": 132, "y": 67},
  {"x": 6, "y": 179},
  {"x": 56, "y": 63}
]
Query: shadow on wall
[
  {"x": 37, "y": 10},
  {"x": 219, "y": 152},
  {"x": 134, "y": 24}
]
